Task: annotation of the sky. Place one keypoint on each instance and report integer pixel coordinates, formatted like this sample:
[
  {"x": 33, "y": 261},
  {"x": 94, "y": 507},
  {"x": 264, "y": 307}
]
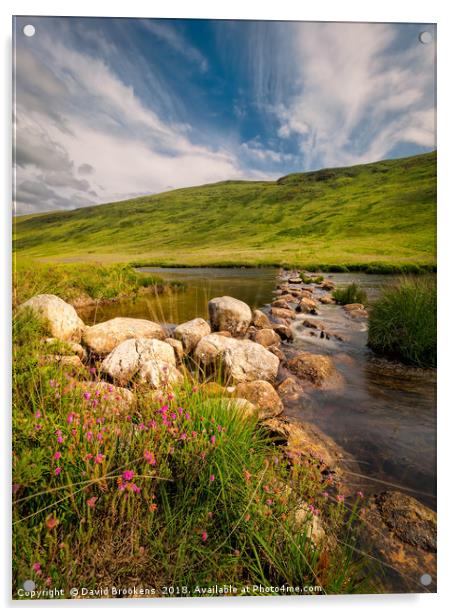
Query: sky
[{"x": 109, "y": 109}]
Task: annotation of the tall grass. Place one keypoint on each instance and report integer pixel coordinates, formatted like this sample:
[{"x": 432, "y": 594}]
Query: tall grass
[
  {"x": 403, "y": 322},
  {"x": 77, "y": 282},
  {"x": 177, "y": 490},
  {"x": 353, "y": 294}
]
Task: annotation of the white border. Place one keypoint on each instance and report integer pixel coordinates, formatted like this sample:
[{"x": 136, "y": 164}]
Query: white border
[{"x": 331, "y": 10}]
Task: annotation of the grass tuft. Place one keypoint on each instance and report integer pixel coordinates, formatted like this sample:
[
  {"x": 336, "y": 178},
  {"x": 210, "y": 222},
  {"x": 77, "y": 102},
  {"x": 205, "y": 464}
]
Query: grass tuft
[
  {"x": 353, "y": 294},
  {"x": 403, "y": 322}
]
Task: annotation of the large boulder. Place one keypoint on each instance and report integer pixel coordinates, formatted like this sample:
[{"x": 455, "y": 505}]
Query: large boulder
[
  {"x": 61, "y": 318},
  {"x": 263, "y": 395},
  {"x": 102, "y": 338},
  {"x": 230, "y": 314},
  {"x": 158, "y": 374},
  {"x": 284, "y": 331},
  {"x": 191, "y": 332},
  {"x": 130, "y": 356},
  {"x": 241, "y": 360},
  {"x": 318, "y": 370}
]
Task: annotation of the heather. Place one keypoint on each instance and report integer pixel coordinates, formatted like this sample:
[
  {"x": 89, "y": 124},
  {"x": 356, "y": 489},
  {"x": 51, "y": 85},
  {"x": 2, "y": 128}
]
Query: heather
[{"x": 170, "y": 488}]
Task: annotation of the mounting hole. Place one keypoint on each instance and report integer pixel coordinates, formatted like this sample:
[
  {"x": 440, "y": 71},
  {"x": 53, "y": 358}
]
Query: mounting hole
[
  {"x": 425, "y": 579},
  {"x": 425, "y": 37},
  {"x": 29, "y": 30}
]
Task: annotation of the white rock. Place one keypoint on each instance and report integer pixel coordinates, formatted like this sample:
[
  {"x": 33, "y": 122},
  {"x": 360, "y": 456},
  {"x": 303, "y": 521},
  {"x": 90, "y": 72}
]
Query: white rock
[
  {"x": 241, "y": 360},
  {"x": 62, "y": 319},
  {"x": 159, "y": 374},
  {"x": 229, "y": 314},
  {"x": 129, "y": 357},
  {"x": 191, "y": 332},
  {"x": 102, "y": 338}
]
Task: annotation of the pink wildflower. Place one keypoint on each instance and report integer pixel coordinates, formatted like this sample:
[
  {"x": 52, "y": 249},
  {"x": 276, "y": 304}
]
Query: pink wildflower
[
  {"x": 99, "y": 458},
  {"x": 183, "y": 436},
  {"x": 57, "y": 455},
  {"x": 87, "y": 395},
  {"x": 204, "y": 535},
  {"x": 60, "y": 439},
  {"x": 38, "y": 414},
  {"x": 91, "y": 501},
  {"x": 51, "y": 522},
  {"x": 58, "y": 470},
  {"x": 360, "y": 494},
  {"x": 36, "y": 567},
  {"x": 340, "y": 498},
  {"x": 128, "y": 475},
  {"x": 212, "y": 478},
  {"x": 212, "y": 439}
]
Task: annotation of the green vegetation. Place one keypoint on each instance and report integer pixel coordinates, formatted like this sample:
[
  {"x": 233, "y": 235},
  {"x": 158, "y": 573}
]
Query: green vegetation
[
  {"x": 172, "y": 491},
  {"x": 403, "y": 322},
  {"x": 79, "y": 282},
  {"x": 352, "y": 294},
  {"x": 379, "y": 217}
]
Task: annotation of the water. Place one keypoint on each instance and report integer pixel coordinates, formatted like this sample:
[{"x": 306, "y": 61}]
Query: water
[
  {"x": 385, "y": 416},
  {"x": 251, "y": 285}
]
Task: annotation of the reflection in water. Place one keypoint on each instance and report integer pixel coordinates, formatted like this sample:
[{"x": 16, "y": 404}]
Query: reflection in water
[
  {"x": 251, "y": 285},
  {"x": 385, "y": 416}
]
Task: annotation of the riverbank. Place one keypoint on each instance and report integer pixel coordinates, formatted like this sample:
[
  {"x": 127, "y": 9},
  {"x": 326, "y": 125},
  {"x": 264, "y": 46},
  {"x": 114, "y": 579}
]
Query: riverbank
[
  {"x": 261, "y": 372},
  {"x": 83, "y": 284},
  {"x": 176, "y": 462}
]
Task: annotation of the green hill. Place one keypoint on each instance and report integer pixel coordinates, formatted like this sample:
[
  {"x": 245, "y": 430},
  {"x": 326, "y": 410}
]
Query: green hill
[{"x": 382, "y": 212}]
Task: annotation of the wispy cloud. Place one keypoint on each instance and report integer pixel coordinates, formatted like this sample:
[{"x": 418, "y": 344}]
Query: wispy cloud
[{"x": 353, "y": 95}]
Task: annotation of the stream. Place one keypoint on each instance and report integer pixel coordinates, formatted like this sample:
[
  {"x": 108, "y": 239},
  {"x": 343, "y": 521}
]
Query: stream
[{"x": 385, "y": 416}]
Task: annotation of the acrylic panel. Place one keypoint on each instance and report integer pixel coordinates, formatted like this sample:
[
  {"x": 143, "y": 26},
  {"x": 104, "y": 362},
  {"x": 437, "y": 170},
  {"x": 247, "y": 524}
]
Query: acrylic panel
[{"x": 224, "y": 308}]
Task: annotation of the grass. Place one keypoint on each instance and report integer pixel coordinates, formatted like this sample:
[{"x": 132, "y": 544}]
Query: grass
[
  {"x": 176, "y": 491},
  {"x": 403, "y": 322},
  {"x": 379, "y": 217},
  {"x": 79, "y": 282},
  {"x": 352, "y": 294}
]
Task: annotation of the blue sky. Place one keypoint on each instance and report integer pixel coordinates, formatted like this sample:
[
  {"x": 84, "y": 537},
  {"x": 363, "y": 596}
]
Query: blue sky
[{"x": 107, "y": 109}]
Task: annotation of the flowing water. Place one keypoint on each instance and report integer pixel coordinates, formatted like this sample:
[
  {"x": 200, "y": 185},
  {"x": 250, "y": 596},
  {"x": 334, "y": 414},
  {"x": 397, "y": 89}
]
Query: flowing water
[{"x": 384, "y": 416}]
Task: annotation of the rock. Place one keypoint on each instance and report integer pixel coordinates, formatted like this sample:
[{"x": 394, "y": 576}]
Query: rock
[
  {"x": 318, "y": 370},
  {"x": 241, "y": 360},
  {"x": 225, "y": 333},
  {"x": 73, "y": 361},
  {"x": 61, "y": 318},
  {"x": 178, "y": 349},
  {"x": 349, "y": 307},
  {"x": 102, "y": 338},
  {"x": 307, "y": 305},
  {"x": 327, "y": 285},
  {"x": 281, "y": 303},
  {"x": 356, "y": 311},
  {"x": 402, "y": 533},
  {"x": 263, "y": 395},
  {"x": 305, "y": 440},
  {"x": 266, "y": 337},
  {"x": 303, "y": 517},
  {"x": 284, "y": 331},
  {"x": 408, "y": 519},
  {"x": 326, "y": 299},
  {"x": 75, "y": 347},
  {"x": 295, "y": 280},
  {"x": 290, "y": 388},
  {"x": 159, "y": 374},
  {"x": 108, "y": 397},
  {"x": 242, "y": 406},
  {"x": 191, "y": 332},
  {"x": 128, "y": 358},
  {"x": 228, "y": 313},
  {"x": 283, "y": 313},
  {"x": 260, "y": 319},
  {"x": 277, "y": 352},
  {"x": 313, "y": 324}
]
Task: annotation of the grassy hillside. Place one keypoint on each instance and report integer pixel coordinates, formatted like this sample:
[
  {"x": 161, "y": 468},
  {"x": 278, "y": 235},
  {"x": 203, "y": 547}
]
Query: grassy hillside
[{"x": 383, "y": 212}]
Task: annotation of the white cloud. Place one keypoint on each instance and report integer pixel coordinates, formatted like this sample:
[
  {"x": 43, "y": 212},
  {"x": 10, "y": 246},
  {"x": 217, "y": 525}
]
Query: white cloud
[{"x": 353, "y": 95}]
